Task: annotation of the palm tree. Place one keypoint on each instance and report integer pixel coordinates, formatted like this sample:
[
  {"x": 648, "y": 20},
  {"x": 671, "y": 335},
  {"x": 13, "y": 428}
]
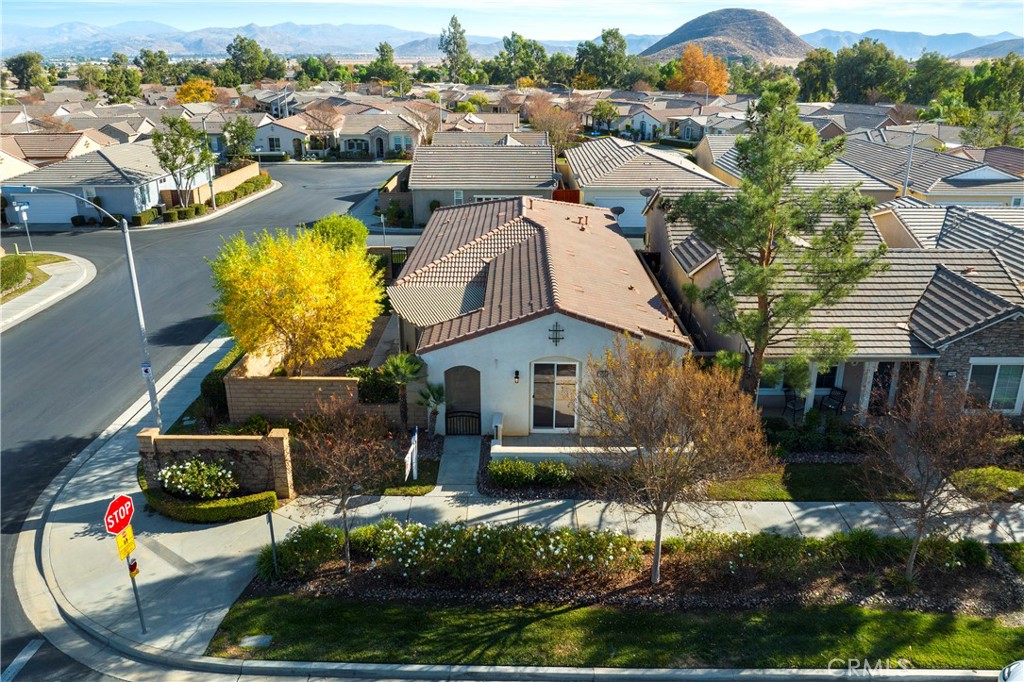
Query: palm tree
[
  {"x": 432, "y": 398},
  {"x": 401, "y": 369}
]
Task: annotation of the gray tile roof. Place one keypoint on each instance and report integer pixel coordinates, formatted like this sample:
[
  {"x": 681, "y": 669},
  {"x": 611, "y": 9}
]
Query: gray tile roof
[
  {"x": 496, "y": 167},
  {"x": 839, "y": 173},
  {"x": 952, "y": 306},
  {"x": 123, "y": 164},
  {"x": 459, "y": 138},
  {"x": 930, "y": 171},
  {"x": 611, "y": 162},
  {"x": 527, "y": 257}
]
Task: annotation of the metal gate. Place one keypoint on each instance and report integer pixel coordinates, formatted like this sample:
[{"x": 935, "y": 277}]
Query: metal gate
[{"x": 462, "y": 424}]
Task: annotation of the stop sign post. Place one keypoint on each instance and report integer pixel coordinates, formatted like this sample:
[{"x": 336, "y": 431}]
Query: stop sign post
[{"x": 117, "y": 519}]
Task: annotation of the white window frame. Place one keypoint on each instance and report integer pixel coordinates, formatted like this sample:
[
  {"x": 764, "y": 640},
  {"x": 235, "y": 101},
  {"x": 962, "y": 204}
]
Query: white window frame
[
  {"x": 477, "y": 198},
  {"x": 457, "y": 197},
  {"x": 576, "y": 408},
  {"x": 999, "y": 363},
  {"x": 1017, "y": 201}
]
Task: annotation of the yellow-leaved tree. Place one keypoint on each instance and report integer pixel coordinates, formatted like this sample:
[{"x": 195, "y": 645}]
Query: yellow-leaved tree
[
  {"x": 695, "y": 66},
  {"x": 196, "y": 90},
  {"x": 298, "y": 296}
]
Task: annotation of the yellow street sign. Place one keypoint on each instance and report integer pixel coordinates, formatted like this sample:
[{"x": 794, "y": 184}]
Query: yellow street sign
[{"x": 125, "y": 542}]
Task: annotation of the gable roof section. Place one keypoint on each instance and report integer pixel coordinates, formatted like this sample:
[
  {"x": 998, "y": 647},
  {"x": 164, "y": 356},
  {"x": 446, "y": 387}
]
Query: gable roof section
[
  {"x": 489, "y": 139},
  {"x": 952, "y": 307},
  {"x": 494, "y": 167},
  {"x": 527, "y": 257},
  {"x": 123, "y": 164},
  {"x": 611, "y": 162},
  {"x": 839, "y": 173},
  {"x": 930, "y": 171}
]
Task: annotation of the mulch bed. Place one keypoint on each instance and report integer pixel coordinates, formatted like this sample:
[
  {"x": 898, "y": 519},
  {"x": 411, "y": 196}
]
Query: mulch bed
[
  {"x": 997, "y": 591},
  {"x": 354, "y": 357}
]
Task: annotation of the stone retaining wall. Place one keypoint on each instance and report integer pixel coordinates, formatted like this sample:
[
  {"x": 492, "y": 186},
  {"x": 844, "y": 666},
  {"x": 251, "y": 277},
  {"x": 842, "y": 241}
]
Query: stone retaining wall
[{"x": 259, "y": 463}]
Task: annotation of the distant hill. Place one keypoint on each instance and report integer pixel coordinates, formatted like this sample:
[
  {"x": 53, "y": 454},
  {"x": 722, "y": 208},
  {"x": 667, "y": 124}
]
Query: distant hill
[
  {"x": 994, "y": 50},
  {"x": 483, "y": 47},
  {"x": 732, "y": 33},
  {"x": 907, "y": 44}
]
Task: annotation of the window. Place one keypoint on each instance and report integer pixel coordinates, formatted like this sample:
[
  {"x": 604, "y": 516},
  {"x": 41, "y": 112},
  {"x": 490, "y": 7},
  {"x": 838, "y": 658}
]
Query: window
[
  {"x": 408, "y": 142},
  {"x": 554, "y": 396},
  {"x": 997, "y": 386},
  {"x": 1017, "y": 201},
  {"x": 687, "y": 132},
  {"x": 398, "y": 144},
  {"x": 826, "y": 381},
  {"x": 274, "y": 144},
  {"x": 491, "y": 197},
  {"x": 458, "y": 197}
]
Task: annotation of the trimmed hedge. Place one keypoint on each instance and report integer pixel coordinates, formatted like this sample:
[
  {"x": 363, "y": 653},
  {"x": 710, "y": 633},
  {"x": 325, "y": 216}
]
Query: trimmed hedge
[
  {"x": 212, "y": 387},
  {"x": 171, "y": 215},
  {"x": 199, "y": 209},
  {"x": 145, "y": 217},
  {"x": 78, "y": 220},
  {"x": 116, "y": 222},
  {"x": 13, "y": 269},
  {"x": 211, "y": 511},
  {"x": 225, "y": 198}
]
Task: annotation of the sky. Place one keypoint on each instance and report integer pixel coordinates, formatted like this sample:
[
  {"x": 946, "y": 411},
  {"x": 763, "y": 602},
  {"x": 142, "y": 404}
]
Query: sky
[{"x": 538, "y": 19}]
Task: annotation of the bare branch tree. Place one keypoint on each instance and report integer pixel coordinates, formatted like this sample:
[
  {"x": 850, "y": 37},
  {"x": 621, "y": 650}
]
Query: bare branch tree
[
  {"x": 343, "y": 454},
  {"x": 928, "y": 438},
  {"x": 664, "y": 429}
]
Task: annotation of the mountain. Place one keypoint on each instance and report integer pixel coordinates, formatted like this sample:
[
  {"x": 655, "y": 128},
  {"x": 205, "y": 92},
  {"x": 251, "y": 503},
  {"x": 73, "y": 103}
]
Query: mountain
[
  {"x": 907, "y": 44},
  {"x": 483, "y": 47},
  {"x": 994, "y": 50},
  {"x": 732, "y": 33},
  {"x": 141, "y": 28}
]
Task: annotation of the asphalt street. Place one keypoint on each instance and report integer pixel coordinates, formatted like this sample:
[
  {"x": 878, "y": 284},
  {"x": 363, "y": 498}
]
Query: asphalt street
[{"x": 67, "y": 372}]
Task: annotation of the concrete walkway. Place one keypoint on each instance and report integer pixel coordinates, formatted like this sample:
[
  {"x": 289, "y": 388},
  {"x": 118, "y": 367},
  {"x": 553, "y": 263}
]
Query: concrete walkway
[
  {"x": 191, "y": 574},
  {"x": 66, "y": 278}
]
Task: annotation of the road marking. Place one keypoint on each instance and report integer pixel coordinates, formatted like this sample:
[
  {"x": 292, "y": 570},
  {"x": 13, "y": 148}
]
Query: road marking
[{"x": 20, "y": 660}]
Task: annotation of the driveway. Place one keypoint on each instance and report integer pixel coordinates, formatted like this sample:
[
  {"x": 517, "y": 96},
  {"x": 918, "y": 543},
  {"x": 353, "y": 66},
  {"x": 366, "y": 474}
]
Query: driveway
[{"x": 71, "y": 369}]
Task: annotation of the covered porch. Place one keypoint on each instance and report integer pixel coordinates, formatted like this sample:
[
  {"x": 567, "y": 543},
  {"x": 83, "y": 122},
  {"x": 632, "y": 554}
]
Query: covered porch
[{"x": 855, "y": 389}]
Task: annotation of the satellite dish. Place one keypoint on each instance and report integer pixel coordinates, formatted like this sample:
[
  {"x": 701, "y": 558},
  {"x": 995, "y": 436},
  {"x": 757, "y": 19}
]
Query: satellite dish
[
  {"x": 647, "y": 192},
  {"x": 617, "y": 210}
]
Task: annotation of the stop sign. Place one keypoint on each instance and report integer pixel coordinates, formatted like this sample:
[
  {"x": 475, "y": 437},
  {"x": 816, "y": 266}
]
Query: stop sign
[{"x": 119, "y": 514}]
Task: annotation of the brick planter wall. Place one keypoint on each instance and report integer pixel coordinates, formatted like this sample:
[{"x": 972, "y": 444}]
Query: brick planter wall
[
  {"x": 250, "y": 392},
  {"x": 259, "y": 463}
]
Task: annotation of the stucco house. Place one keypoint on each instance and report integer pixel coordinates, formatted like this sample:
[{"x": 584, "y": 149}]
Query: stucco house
[
  {"x": 956, "y": 311},
  {"x": 125, "y": 179},
  {"x": 505, "y": 300},
  {"x": 454, "y": 175},
  {"x": 612, "y": 172},
  {"x": 42, "y": 149}
]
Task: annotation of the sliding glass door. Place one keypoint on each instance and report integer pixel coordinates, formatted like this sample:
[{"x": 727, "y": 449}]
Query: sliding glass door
[{"x": 554, "y": 396}]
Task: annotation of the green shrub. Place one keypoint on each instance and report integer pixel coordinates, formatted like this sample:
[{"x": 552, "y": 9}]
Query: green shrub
[
  {"x": 200, "y": 209},
  {"x": 224, "y": 198},
  {"x": 187, "y": 212},
  {"x": 500, "y": 554},
  {"x": 78, "y": 220},
  {"x": 867, "y": 548},
  {"x": 171, "y": 215},
  {"x": 114, "y": 221},
  {"x": 208, "y": 511},
  {"x": 553, "y": 473},
  {"x": 374, "y": 386},
  {"x": 145, "y": 217},
  {"x": 1013, "y": 552},
  {"x": 212, "y": 387},
  {"x": 512, "y": 473},
  {"x": 776, "y": 424},
  {"x": 196, "y": 479},
  {"x": 365, "y": 540},
  {"x": 13, "y": 269},
  {"x": 302, "y": 552},
  {"x": 256, "y": 425}
]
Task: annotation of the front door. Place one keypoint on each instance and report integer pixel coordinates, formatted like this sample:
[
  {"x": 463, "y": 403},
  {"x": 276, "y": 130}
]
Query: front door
[
  {"x": 554, "y": 396},
  {"x": 380, "y": 148},
  {"x": 880, "y": 385},
  {"x": 296, "y": 148}
]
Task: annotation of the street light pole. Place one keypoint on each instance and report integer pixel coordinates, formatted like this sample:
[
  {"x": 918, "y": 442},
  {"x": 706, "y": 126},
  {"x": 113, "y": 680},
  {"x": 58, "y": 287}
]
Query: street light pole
[
  {"x": 147, "y": 366},
  {"x": 213, "y": 196},
  {"x": 22, "y": 210},
  {"x": 910, "y": 153}
]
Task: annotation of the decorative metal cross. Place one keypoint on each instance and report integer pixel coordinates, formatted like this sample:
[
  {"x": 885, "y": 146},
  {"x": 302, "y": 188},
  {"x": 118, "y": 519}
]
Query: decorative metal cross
[{"x": 556, "y": 333}]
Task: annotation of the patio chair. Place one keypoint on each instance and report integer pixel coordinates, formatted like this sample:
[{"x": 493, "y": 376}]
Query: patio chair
[
  {"x": 834, "y": 401},
  {"x": 793, "y": 402}
]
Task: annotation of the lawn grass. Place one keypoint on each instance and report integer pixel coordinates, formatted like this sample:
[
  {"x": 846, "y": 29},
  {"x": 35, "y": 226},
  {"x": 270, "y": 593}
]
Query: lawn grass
[
  {"x": 797, "y": 483},
  {"x": 990, "y": 484},
  {"x": 395, "y": 485},
  {"x": 32, "y": 262},
  {"x": 1014, "y": 553},
  {"x": 339, "y": 629}
]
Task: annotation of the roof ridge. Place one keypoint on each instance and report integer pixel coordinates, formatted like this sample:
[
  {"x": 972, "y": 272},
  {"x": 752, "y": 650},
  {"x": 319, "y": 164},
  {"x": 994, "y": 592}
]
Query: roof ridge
[{"x": 972, "y": 289}]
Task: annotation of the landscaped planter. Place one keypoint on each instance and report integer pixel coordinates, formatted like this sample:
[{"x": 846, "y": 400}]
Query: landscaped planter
[{"x": 207, "y": 511}]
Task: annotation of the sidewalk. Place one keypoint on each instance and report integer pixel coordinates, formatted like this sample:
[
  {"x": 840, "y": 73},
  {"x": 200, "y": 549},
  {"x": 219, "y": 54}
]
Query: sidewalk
[
  {"x": 191, "y": 574},
  {"x": 66, "y": 278}
]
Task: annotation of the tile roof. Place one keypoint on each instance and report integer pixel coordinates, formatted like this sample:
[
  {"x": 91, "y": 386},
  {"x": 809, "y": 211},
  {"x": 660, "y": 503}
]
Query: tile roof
[
  {"x": 930, "y": 171},
  {"x": 459, "y": 138},
  {"x": 123, "y": 164},
  {"x": 56, "y": 145},
  {"x": 361, "y": 124},
  {"x": 496, "y": 167},
  {"x": 523, "y": 258},
  {"x": 612, "y": 162},
  {"x": 838, "y": 173},
  {"x": 952, "y": 306}
]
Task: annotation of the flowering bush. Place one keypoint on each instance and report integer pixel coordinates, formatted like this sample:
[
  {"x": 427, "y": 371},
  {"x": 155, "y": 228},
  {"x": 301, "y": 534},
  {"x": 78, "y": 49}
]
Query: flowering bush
[
  {"x": 195, "y": 479},
  {"x": 302, "y": 552},
  {"x": 499, "y": 554}
]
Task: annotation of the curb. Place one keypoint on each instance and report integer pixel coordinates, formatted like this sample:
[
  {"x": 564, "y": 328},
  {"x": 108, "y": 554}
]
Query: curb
[
  {"x": 87, "y": 273},
  {"x": 71, "y": 631},
  {"x": 273, "y": 187}
]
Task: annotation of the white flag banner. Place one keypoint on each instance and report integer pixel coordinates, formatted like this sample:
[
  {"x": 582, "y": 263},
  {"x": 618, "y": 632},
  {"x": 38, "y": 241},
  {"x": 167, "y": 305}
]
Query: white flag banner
[{"x": 412, "y": 459}]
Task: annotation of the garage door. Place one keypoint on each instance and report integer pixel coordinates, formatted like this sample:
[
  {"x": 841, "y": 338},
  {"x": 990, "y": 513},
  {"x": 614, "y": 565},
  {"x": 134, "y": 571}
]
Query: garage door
[
  {"x": 633, "y": 203},
  {"x": 50, "y": 208}
]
